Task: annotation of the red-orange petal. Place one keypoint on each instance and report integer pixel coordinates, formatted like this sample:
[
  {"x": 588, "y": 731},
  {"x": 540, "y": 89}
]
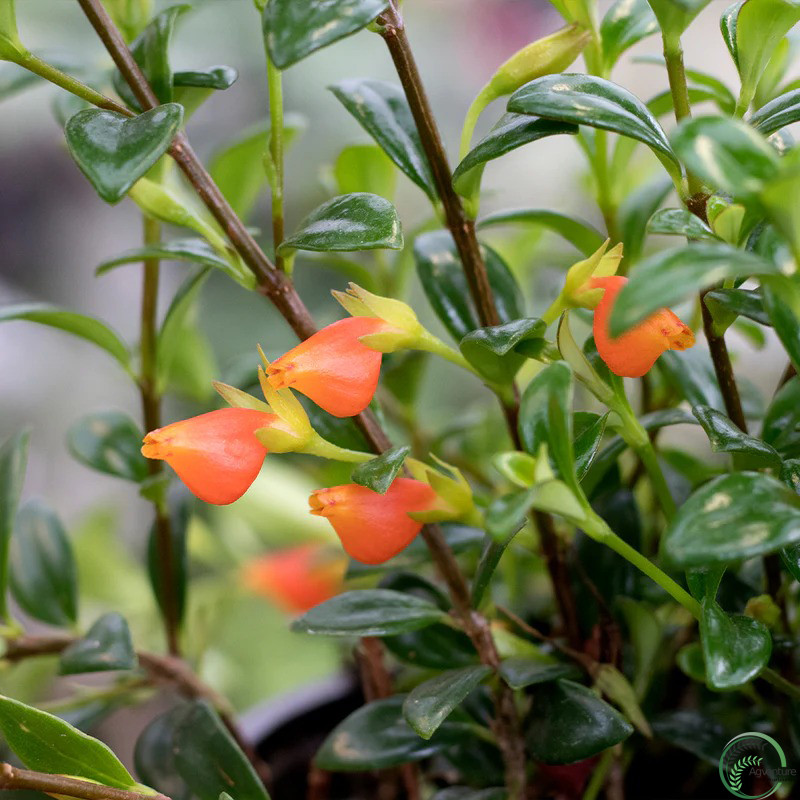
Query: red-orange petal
[
  {"x": 374, "y": 527},
  {"x": 633, "y": 353},
  {"x": 332, "y": 367},
  {"x": 297, "y": 578},
  {"x": 216, "y": 454}
]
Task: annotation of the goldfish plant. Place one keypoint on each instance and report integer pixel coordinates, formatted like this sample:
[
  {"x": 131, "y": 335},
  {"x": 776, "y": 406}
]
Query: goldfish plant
[{"x": 584, "y": 586}]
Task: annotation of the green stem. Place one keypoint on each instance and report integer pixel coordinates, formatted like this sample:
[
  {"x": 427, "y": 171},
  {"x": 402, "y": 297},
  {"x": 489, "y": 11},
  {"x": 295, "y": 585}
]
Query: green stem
[
  {"x": 647, "y": 454},
  {"x": 673, "y": 55},
  {"x": 636, "y": 436},
  {"x": 554, "y": 311},
  {"x": 276, "y": 149},
  {"x": 599, "y": 775},
  {"x": 432, "y": 344},
  {"x": 599, "y": 530},
  {"x": 780, "y": 683},
  {"x": 325, "y": 449},
  {"x": 70, "y": 84}
]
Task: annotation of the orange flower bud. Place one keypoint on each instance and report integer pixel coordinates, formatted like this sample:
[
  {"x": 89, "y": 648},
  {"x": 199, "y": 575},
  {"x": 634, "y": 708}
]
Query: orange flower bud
[
  {"x": 633, "y": 353},
  {"x": 296, "y": 579},
  {"x": 374, "y": 527},
  {"x": 332, "y": 367},
  {"x": 217, "y": 454}
]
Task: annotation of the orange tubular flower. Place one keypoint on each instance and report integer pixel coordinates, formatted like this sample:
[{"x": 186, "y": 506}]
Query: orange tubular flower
[
  {"x": 332, "y": 367},
  {"x": 216, "y": 454},
  {"x": 298, "y": 578},
  {"x": 632, "y": 354},
  {"x": 374, "y": 527}
]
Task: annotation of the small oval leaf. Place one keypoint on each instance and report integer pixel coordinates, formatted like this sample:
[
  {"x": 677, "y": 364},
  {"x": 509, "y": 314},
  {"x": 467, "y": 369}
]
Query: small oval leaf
[
  {"x": 358, "y": 221},
  {"x": 369, "y": 612}
]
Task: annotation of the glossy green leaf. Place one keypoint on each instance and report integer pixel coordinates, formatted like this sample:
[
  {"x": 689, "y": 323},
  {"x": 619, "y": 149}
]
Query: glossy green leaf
[
  {"x": 369, "y": 612},
  {"x": 358, "y": 221},
  {"x": 10, "y": 46},
  {"x": 445, "y": 286},
  {"x": 46, "y": 743},
  {"x": 106, "y": 646},
  {"x": 150, "y": 49},
  {"x": 790, "y": 556},
  {"x": 294, "y": 30},
  {"x": 735, "y": 648},
  {"x": 220, "y": 77},
  {"x": 545, "y": 417},
  {"x": 88, "y": 328},
  {"x": 725, "y": 437},
  {"x": 238, "y": 167},
  {"x": 778, "y": 113},
  {"x": 178, "y": 575},
  {"x": 510, "y": 132},
  {"x": 727, "y": 26},
  {"x": 376, "y": 736},
  {"x": 520, "y": 672},
  {"x": 365, "y": 168},
  {"x": 759, "y": 27},
  {"x": 505, "y": 515},
  {"x": 493, "y": 551},
  {"x": 732, "y": 518},
  {"x": 592, "y": 101},
  {"x": 636, "y": 210},
  {"x": 382, "y": 110},
  {"x": 625, "y": 23},
  {"x": 209, "y": 760},
  {"x": 110, "y": 442},
  {"x": 492, "y": 350},
  {"x": 782, "y": 420},
  {"x": 726, "y": 153},
  {"x": 577, "y": 232},
  {"x": 196, "y": 251},
  {"x": 153, "y": 757},
  {"x": 589, "y": 429},
  {"x": 114, "y": 151},
  {"x": 13, "y": 462},
  {"x": 699, "y": 733},
  {"x": 703, "y": 582},
  {"x": 431, "y": 702},
  {"x": 781, "y": 296},
  {"x": 669, "y": 276},
  {"x": 731, "y": 303},
  {"x": 679, "y": 222},
  {"x": 378, "y": 473},
  {"x": 43, "y": 572},
  {"x": 438, "y": 646},
  {"x": 674, "y": 16},
  {"x": 569, "y": 723}
]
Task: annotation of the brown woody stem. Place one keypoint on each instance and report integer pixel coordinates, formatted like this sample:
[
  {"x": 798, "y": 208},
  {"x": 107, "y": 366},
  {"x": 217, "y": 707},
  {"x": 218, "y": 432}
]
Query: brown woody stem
[{"x": 14, "y": 778}]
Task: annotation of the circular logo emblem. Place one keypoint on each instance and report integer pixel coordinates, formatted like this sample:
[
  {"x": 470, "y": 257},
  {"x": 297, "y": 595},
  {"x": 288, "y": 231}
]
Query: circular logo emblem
[{"x": 753, "y": 766}]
